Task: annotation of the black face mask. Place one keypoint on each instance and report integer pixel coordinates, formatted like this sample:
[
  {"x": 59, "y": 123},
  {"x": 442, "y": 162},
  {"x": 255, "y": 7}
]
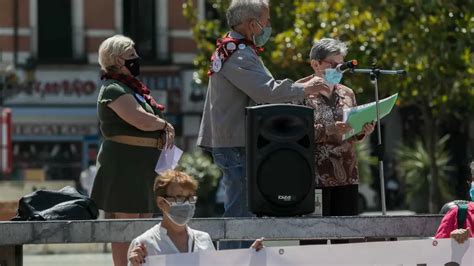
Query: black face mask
[{"x": 133, "y": 65}]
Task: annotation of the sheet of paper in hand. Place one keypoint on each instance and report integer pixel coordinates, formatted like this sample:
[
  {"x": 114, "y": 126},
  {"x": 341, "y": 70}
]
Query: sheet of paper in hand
[
  {"x": 360, "y": 115},
  {"x": 169, "y": 159}
]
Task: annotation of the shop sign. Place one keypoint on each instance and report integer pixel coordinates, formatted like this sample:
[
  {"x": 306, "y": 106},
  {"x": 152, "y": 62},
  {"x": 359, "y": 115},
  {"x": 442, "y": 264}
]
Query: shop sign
[
  {"x": 81, "y": 87},
  {"x": 57, "y": 87}
]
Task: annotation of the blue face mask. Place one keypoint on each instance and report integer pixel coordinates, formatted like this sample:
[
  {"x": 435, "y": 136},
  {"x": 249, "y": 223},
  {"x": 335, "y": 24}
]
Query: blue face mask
[
  {"x": 471, "y": 191},
  {"x": 332, "y": 76},
  {"x": 261, "y": 39}
]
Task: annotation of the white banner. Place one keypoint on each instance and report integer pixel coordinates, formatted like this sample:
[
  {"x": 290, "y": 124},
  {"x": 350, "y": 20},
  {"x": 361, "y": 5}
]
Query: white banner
[{"x": 411, "y": 252}]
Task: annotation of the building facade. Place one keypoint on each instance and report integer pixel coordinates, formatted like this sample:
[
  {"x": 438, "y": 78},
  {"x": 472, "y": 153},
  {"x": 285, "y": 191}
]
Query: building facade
[{"x": 49, "y": 69}]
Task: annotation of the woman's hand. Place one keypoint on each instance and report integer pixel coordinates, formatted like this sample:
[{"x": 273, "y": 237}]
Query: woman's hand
[
  {"x": 461, "y": 235},
  {"x": 168, "y": 136},
  {"x": 338, "y": 128},
  {"x": 137, "y": 255},
  {"x": 258, "y": 244},
  {"x": 368, "y": 129}
]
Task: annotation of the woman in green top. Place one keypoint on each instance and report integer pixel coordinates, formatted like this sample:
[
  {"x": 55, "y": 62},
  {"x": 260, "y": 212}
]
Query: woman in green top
[{"x": 134, "y": 134}]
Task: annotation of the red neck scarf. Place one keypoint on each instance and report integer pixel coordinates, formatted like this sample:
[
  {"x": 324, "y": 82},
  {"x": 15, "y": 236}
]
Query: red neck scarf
[
  {"x": 136, "y": 85},
  {"x": 222, "y": 41},
  {"x": 225, "y": 47}
]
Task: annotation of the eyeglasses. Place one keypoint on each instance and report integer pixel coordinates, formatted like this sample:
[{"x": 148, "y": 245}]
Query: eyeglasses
[
  {"x": 332, "y": 63},
  {"x": 180, "y": 199}
]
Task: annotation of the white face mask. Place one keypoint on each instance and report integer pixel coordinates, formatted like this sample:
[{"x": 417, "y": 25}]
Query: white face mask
[{"x": 181, "y": 213}]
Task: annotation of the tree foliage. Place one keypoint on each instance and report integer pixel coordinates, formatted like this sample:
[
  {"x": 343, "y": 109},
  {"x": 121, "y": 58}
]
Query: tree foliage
[
  {"x": 431, "y": 39},
  {"x": 414, "y": 168},
  {"x": 200, "y": 166}
]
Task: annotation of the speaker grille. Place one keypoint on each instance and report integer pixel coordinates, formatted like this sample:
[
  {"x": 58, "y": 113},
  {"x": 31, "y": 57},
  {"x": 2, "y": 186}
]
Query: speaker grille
[
  {"x": 284, "y": 177},
  {"x": 284, "y": 127}
]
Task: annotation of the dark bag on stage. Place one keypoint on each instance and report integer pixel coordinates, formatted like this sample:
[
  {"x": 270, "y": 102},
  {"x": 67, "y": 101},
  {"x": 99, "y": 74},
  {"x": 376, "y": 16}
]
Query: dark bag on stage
[{"x": 65, "y": 204}]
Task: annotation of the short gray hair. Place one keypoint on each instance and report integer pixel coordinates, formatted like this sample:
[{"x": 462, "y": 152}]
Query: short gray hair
[
  {"x": 242, "y": 10},
  {"x": 112, "y": 48},
  {"x": 326, "y": 47}
]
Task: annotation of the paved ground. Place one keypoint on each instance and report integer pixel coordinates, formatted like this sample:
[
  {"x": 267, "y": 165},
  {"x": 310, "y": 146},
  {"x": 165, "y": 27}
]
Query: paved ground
[
  {"x": 88, "y": 259},
  {"x": 93, "y": 254}
]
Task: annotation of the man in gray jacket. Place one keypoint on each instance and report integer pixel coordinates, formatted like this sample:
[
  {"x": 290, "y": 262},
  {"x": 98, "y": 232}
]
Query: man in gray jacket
[{"x": 240, "y": 79}]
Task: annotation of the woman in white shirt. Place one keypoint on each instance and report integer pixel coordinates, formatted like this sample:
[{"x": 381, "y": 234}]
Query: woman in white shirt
[{"x": 176, "y": 197}]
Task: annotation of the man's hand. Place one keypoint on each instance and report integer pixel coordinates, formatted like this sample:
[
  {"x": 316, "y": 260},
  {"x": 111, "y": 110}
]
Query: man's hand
[
  {"x": 305, "y": 79},
  {"x": 338, "y": 128},
  {"x": 315, "y": 86},
  {"x": 461, "y": 235},
  {"x": 258, "y": 244},
  {"x": 137, "y": 255}
]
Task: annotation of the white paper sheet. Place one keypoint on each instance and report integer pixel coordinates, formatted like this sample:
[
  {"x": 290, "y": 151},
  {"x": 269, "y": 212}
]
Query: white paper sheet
[{"x": 169, "y": 159}]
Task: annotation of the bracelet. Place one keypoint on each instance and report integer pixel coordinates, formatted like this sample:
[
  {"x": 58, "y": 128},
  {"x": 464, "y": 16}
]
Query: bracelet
[{"x": 166, "y": 125}]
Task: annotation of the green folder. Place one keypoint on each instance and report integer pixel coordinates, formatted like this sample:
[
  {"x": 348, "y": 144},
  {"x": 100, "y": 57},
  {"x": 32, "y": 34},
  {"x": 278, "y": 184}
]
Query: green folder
[{"x": 360, "y": 115}]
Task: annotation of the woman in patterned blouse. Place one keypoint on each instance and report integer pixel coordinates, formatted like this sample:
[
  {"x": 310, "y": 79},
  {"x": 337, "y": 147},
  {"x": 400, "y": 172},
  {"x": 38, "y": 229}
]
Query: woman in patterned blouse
[{"x": 335, "y": 161}]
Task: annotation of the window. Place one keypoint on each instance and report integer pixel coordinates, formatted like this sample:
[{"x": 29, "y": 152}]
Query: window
[
  {"x": 139, "y": 24},
  {"x": 54, "y": 31}
]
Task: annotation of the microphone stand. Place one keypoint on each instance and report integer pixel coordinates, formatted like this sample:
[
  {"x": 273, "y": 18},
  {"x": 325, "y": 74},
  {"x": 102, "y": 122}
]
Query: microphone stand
[{"x": 374, "y": 74}]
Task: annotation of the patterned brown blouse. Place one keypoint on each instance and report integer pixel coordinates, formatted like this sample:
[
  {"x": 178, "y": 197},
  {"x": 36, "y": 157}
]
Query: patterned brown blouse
[{"x": 335, "y": 161}]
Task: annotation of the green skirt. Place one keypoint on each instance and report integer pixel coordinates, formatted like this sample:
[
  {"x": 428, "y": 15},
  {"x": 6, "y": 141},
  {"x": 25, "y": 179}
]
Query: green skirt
[{"x": 125, "y": 178}]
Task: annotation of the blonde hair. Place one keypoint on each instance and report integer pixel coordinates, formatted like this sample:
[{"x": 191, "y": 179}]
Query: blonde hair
[
  {"x": 163, "y": 180},
  {"x": 112, "y": 48}
]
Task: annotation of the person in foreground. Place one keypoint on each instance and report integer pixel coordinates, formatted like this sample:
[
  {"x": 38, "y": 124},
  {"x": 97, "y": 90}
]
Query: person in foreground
[
  {"x": 134, "y": 131},
  {"x": 176, "y": 197},
  {"x": 459, "y": 219}
]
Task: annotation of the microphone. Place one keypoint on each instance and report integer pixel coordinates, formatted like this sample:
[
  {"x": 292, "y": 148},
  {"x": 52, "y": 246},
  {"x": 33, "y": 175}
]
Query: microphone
[{"x": 341, "y": 68}]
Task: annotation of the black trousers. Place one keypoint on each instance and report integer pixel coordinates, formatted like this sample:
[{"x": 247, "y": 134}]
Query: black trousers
[
  {"x": 341, "y": 201},
  {"x": 338, "y": 201}
]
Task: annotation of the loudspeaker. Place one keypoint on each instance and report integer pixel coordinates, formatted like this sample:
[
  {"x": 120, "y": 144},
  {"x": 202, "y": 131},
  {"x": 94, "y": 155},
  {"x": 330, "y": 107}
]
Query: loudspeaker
[{"x": 280, "y": 159}]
